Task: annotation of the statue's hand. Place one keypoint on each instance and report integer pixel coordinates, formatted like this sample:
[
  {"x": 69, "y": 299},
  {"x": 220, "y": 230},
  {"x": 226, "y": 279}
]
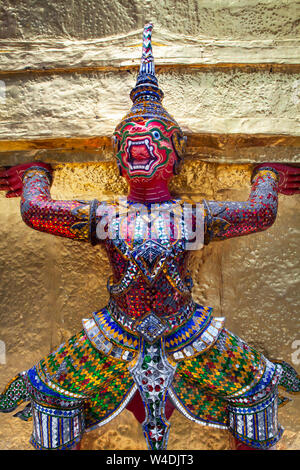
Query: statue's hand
[
  {"x": 11, "y": 179},
  {"x": 289, "y": 177}
]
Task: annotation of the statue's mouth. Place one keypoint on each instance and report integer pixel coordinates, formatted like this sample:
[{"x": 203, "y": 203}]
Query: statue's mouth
[{"x": 140, "y": 155}]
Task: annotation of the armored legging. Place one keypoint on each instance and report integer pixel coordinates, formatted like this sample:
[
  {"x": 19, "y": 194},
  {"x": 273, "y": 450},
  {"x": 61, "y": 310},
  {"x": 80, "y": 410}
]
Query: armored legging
[{"x": 77, "y": 388}]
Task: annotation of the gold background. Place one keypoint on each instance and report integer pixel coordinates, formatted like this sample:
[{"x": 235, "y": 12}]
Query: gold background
[{"x": 235, "y": 113}]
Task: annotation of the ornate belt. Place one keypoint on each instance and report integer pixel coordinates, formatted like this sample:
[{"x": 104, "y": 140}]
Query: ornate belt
[
  {"x": 194, "y": 336},
  {"x": 152, "y": 322}
]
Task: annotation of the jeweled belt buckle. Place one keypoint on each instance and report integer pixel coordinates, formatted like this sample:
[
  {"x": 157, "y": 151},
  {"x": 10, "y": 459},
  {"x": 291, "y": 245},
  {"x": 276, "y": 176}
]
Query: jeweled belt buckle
[{"x": 151, "y": 328}]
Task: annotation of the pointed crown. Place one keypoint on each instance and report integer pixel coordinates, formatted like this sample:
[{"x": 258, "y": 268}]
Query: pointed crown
[{"x": 146, "y": 95}]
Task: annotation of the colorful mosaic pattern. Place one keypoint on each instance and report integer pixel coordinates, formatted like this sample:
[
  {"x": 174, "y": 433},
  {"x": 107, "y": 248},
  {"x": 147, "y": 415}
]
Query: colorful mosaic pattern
[
  {"x": 111, "y": 341},
  {"x": 154, "y": 374},
  {"x": 289, "y": 379},
  {"x": 71, "y": 219},
  {"x": 150, "y": 276},
  {"x": 233, "y": 386},
  {"x": 232, "y": 219},
  {"x": 225, "y": 368},
  {"x": 193, "y": 327},
  {"x": 202, "y": 342},
  {"x": 172, "y": 322},
  {"x": 78, "y": 368},
  {"x": 146, "y": 95},
  {"x": 193, "y": 337},
  {"x": 198, "y": 405},
  {"x": 56, "y": 428},
  {"x": 257, "y": 425},
  {"x": 13, "y": 395},
  {"x": 114, "y": 331},
  {"x": 227, "y": 386},
  {"x": 148, "y": 142},
  {"x": 131, "y": 292},
  {"x": 152, "y": 336},
  {"x": 266, "y": 380},
  {"x": 42, "y": 389}
]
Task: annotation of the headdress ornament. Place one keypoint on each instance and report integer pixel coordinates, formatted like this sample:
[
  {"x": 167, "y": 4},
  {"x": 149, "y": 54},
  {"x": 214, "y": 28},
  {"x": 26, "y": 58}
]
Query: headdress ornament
[{"x": 146, "y": 95}]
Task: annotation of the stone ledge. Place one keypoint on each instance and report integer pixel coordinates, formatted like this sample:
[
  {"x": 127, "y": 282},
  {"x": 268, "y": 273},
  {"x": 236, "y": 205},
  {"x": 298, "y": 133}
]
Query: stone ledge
[
  {"x": 209, "y": 147},
  {"x": 123, "y": 53},
  {"x": 237, "y": 19},
  {"x": 37, "y": 106}
]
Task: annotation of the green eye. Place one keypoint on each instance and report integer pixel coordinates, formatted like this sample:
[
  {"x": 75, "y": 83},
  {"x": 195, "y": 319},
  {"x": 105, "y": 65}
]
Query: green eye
[
  {"x": 156, "y": 135},
  {"x": 116, "y": 143}
]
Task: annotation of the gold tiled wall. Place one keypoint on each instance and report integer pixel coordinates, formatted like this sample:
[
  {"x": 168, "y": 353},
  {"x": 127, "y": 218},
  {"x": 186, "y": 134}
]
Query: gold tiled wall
[{"x": 234, "y": 87}]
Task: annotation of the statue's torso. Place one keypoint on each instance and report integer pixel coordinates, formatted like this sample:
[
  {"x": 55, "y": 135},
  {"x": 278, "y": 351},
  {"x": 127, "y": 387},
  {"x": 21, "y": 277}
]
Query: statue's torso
[
  {"x": 150, "y": 279},
  {"x": 149, "y": 259}
]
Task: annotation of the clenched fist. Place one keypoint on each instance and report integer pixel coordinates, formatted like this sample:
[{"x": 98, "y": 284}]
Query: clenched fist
[
  {"x": 11, "y": 179},
  {"x": 289, "y": 177}
]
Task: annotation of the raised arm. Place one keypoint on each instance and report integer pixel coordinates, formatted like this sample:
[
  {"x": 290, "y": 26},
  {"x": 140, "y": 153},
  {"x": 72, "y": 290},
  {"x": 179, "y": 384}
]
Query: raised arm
[
  {"x": 71, "y": 219},
  {"x": 232, "y": 219}
]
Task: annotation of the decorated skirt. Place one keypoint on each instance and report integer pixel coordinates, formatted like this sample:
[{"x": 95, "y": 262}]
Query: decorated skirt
[{"x": 211, "y": 376}]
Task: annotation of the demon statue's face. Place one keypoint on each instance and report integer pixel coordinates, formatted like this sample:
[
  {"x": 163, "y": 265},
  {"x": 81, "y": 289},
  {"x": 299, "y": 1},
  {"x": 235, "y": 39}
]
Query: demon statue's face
[
  {"x": 149, "y": 150},
  {"x": 148, "y": 142}
]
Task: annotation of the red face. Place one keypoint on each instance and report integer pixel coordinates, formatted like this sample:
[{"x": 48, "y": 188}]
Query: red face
[{"x": 148, "y": 151}]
